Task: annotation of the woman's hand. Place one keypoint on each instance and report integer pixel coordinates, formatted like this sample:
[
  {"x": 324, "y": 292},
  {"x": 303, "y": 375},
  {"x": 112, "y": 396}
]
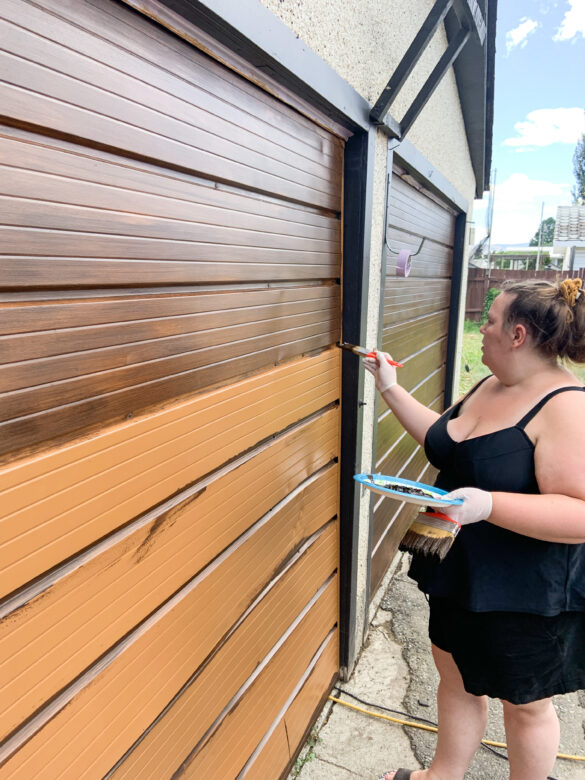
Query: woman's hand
[
  {"x": 383, "y": 373},
  {"x": 476, "y": 506}
]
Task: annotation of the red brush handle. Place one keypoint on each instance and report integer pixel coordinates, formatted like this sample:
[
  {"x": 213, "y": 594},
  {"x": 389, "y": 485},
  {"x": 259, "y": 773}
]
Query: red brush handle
[
  {"x": 441, "y": 516},
  {"x": 392, "y": 362}
]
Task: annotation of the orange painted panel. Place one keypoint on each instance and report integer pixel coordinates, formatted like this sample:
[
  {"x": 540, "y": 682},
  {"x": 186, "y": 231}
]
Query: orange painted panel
[
  {"x": 121, "y": 472},
  {"x": 81, "y": 614},
  {"x": 169, "y": 742},
  {"x": 226, "y": 750},
  {"x": 281, "y": 747},
  {"x": 109, "y": 707}
]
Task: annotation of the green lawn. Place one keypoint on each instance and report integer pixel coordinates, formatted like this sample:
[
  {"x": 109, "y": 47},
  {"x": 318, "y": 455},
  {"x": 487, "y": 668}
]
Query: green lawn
[{"x": 472, "y": 369}]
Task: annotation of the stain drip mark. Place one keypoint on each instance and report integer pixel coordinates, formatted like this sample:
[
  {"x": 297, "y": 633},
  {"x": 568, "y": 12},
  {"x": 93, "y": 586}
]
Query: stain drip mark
[{"x": 165, "y": 520}]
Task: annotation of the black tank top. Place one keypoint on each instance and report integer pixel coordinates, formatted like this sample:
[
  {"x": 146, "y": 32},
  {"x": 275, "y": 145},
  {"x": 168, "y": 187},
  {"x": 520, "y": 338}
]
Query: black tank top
[{"x": 490, "y": 568}]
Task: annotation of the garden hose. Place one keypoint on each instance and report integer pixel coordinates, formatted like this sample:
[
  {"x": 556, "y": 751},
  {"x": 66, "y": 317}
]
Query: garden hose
[{"x": 487, "y": 742}]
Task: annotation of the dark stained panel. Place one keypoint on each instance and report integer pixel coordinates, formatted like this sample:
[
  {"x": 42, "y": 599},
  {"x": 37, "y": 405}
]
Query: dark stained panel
[{"x": 90, "y": 94}]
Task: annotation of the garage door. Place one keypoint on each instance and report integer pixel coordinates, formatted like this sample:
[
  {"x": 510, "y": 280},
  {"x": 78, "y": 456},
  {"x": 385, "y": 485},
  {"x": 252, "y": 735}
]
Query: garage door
[
  {"x": 169, "y": 418},
  {"x": 415, "y": 330}
]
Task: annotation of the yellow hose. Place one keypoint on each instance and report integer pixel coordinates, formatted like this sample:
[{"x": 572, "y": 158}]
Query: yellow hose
[{"x": 434, "y": 728}]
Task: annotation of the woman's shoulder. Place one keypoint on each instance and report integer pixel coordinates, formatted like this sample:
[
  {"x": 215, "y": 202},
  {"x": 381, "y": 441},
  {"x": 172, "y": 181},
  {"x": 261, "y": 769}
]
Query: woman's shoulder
[{"x": 561, "y": 409}]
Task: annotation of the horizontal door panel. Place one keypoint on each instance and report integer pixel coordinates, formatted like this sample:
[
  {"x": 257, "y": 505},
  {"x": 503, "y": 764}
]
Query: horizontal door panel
[
  {"x": 102, "y": 25},
  {"x": 244, "y": 725},
  {"x": 407, "y": 298},
  {"x": 402, "y": 447},
  {"x": 103, "y": 227},
  {"x": 57, "y": 425},
  {"x": 434, "y": 260},
  {"x": 292, "y": 729},
  {"x": 430, "y": 391},
  {"x": 410, "y": 209},
  {"x": 419, "y": 366},
  {"x": 111, "y": 705},
  {"x": 126, "y": 469},
  {"x": 63, "y": 244},
  {"x": 406, "y": 338},
  {"x": 96, "y": 600},
  {"x": 24, "y": 272},
  {"x": 172, "y": 737},
  {"x": 150, "y": 144},
  {"x": 135, "y": 92},
  {"x": 199, "y": 346},
  {"x": 37, "y": 167},
  {"x": 128, "y": 313}
]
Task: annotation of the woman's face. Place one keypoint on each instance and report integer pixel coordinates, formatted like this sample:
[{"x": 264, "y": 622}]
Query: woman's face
[{"x": 496, "y": 337}]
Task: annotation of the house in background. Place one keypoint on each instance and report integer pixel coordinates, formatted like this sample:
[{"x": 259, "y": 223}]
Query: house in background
[
  {"x": 201, "y": 198},
  {"x": 570, "y": 236}
]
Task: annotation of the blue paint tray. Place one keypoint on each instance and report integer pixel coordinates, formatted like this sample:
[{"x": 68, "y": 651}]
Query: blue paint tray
[{"x": 418, "y": 492}]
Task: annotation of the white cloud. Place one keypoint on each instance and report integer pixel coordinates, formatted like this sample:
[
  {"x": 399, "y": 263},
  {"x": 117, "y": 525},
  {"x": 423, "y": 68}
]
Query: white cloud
[
  {"x": 518, "y": 36},
  {"x": 547, "y": 126},
  {"x": 573, "y": 22},
  {"x": 517, "y": 204}
]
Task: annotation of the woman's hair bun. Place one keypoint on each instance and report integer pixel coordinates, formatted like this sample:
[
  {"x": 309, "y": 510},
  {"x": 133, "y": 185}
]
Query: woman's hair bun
[{"x": 553, "y": 313}]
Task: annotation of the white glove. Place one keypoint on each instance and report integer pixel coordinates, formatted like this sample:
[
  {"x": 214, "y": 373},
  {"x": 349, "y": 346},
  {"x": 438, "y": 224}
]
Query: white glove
[
  {"x": 476, "y": 506},
  {"x": 382, "y": 371}
]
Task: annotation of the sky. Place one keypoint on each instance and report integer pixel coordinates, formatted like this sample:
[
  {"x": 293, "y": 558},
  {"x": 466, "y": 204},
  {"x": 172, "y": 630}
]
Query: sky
[{"x": 538, "y": 115}]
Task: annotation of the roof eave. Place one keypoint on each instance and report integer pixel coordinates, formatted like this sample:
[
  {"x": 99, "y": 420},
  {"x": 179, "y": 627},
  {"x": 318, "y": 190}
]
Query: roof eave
[{"x": 475, "y": 75}]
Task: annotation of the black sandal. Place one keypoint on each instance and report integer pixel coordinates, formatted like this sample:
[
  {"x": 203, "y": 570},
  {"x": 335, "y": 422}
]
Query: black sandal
[{"x": 401, "y": 774}]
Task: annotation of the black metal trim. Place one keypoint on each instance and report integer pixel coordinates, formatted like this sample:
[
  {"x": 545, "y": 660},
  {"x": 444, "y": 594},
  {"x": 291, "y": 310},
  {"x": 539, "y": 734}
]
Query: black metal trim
[
  {"x": 409, "y": 60},
  {"x": 358, "y": 196},
  {"x": 455, "y": 306},
  {"x": 447, "y": 59},
  {"x": 466, "y": 17}
]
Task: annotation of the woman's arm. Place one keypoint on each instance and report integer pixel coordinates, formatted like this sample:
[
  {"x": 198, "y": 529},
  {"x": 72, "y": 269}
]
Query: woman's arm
[
  {"x": 551, "y": 518},
  {"x": 414, "y": 417}
]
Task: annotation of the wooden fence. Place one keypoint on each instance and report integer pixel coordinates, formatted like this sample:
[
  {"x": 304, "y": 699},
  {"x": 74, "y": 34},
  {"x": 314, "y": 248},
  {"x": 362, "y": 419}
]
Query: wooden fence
[{"x": 478, "y": 283}]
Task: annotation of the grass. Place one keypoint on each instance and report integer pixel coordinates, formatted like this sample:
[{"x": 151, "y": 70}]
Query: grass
[
  {"x": 307, "y": 754},
  {"x": 472, "y": 369}
]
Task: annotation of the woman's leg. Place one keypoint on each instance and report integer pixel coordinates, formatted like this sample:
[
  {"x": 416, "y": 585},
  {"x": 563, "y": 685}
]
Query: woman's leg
[
  {"x": 532, "y": 735},
  {"x": 462, "y": 722}
]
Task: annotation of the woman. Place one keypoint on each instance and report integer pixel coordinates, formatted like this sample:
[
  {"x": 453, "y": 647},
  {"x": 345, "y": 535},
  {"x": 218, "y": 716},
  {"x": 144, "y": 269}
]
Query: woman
[{"x": 507, "y": 604}]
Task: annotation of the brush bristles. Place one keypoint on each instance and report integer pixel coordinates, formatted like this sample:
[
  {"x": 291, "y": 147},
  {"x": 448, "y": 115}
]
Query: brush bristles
[{"x": 426, "y": 539}]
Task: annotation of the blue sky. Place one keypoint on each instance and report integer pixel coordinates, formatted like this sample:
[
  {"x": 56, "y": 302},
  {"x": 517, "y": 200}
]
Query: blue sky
[{"x": 539, "y": 114}]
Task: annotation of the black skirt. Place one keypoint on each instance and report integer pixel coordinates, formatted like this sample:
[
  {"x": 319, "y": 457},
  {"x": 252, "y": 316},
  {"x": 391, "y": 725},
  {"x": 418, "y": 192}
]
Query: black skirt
[{"x": 515, "y": 656}]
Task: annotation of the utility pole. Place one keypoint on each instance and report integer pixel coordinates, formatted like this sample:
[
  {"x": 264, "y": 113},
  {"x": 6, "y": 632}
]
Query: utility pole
[
  {"x": 490, "y": 220},
  {"x": 539, "y": 238}
]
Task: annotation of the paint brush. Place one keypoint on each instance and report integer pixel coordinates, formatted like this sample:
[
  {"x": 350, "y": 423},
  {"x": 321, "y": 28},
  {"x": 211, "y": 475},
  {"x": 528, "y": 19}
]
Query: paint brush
[
  {"x": 363, "y": 352},
  {"x": 432, "y": 533}
]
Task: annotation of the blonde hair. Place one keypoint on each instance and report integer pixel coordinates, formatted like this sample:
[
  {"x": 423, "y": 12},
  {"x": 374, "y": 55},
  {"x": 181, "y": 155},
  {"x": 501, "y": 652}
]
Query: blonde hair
[{"x": 553, "y": 313}]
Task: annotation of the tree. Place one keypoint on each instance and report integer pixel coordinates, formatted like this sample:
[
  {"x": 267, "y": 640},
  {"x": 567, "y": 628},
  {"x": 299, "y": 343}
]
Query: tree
[
  {"x": 578, "y": 191},
  {"x": 548, "y": 233}
]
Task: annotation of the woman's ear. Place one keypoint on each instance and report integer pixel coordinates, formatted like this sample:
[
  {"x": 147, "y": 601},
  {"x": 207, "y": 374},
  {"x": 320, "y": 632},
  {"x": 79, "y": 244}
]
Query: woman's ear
[{"x": 519, "y": 334}]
